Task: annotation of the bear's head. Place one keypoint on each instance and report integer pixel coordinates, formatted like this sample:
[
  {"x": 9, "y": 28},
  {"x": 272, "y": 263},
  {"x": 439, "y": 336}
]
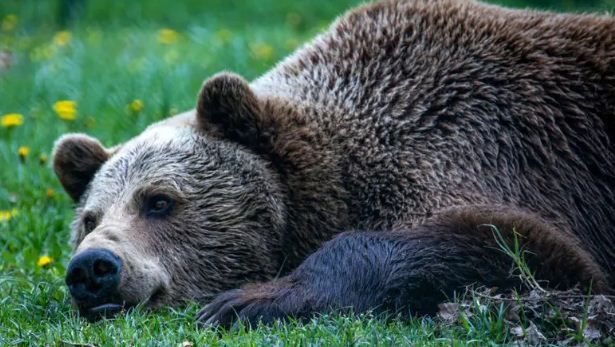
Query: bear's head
[{"x": 185, "y": 210}]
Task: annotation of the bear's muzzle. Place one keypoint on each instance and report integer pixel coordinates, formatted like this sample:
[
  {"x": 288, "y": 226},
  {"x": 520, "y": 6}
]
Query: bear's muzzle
[{"x": 93, "y": 277}]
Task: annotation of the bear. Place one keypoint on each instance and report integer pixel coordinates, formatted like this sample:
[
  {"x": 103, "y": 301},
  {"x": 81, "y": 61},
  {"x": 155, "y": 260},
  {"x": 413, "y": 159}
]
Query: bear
[{"x": 379, "y": 168}]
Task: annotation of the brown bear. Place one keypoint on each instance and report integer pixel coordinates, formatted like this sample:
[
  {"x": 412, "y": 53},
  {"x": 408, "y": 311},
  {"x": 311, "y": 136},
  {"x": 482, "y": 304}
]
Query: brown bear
[{"x": 378, "y": 168}]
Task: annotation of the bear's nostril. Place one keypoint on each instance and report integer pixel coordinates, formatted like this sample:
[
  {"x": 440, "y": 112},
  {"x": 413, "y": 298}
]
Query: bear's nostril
[{"x": 103, "y": 268}]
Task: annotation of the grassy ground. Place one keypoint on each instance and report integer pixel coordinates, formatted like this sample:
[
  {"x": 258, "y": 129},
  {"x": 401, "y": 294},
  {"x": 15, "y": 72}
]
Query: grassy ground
[{"x": 121, "y": 66}]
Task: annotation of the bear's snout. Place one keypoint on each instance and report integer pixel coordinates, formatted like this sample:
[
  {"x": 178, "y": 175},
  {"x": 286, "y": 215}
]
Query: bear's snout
[{"x": 93, "y": 277}]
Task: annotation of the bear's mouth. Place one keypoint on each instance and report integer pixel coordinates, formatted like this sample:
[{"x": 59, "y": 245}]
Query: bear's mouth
[{"x": 111, "y": 309}]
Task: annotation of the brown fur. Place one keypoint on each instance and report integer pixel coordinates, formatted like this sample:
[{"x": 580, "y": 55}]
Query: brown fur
[
  {"x": 412, "y": 268},
  {"x": 405, "y": 120},
  {"x": 77, "y": 162}
]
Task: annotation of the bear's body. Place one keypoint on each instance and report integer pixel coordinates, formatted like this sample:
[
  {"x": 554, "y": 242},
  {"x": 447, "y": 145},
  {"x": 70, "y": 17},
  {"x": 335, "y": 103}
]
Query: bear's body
[
  {"x": 427, "y": 105},
  {"x": 413, "y": 124}
]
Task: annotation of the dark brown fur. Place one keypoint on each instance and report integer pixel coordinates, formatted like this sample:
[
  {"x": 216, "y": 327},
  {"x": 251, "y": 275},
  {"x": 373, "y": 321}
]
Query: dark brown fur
[
  {"x": 412, "y": 268},
  {"x": 419, "y": 106}
]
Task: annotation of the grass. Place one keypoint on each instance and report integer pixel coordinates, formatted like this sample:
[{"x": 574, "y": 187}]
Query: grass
[
  {"x": 517, "y": 254},
  {"x": 110, "y": 57}
]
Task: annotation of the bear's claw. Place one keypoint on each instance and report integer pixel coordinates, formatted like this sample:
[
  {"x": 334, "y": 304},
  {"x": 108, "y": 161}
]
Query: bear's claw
[{"x": 250, "y": 306}]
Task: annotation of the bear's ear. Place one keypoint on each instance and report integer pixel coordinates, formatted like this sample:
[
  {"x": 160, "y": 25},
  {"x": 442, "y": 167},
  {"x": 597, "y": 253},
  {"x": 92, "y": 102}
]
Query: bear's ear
[
  {"x": 76, "y": 158},
  {"x": 227, "y": 108}
]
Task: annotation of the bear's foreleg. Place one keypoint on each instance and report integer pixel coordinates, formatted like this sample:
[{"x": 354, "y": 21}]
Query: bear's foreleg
[{"x": 412, "y": 269}]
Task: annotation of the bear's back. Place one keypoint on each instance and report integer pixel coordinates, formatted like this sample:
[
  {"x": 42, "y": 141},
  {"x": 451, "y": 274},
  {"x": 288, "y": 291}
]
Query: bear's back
[{"x": 435, "y": 104}]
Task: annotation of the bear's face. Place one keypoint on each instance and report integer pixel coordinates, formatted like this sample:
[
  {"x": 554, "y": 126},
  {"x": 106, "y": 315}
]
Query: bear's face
[{"x": 171, "y": 215}]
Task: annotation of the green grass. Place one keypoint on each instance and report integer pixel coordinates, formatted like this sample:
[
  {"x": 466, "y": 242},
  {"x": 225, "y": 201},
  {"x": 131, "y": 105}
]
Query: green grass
[{"x": 112, "y": 58}]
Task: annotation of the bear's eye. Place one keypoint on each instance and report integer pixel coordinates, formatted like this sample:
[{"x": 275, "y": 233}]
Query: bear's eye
[
  {"x": 89, "y": 223},
  {"x": 158, "y": 206}
]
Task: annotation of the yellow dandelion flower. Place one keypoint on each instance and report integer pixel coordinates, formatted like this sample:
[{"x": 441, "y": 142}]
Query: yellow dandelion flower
[
  {"x": 9, "y": 22},
  {"x": 23, "y": 152},
  {"x": 44, "y": 260},
  {"x": 62, "y": 38},
  {"x": 224, "y": 35},
  {"x": 7, "y": 214},
  {"x": 66, "y": 109},
  {"x": 11, "y": 120},
  {"x": 136, "y": 105},
  {"x": 261, "y": 51},
  {"x": 167, "y": 36},
  {"x": 50, "y": 193},
  {"x": 42, "y": 159}
]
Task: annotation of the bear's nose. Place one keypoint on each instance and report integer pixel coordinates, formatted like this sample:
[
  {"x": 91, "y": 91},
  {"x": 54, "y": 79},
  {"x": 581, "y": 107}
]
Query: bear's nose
[{"x": 93, "y": 276}]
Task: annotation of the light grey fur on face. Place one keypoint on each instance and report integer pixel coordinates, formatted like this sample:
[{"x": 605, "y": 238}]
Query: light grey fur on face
[{"x": 218, "y": 214}]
